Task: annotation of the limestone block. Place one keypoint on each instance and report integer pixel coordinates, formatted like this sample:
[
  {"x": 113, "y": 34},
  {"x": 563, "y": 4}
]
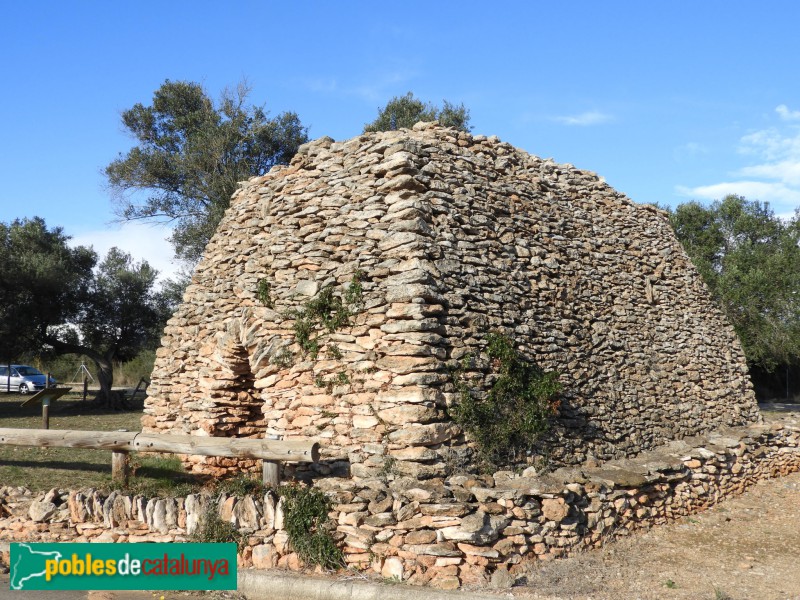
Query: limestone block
[
  {"x": 423, "y": 435},
  {"x": 393, "y": 568},
  {"x": 41, "y": 510},
  {"x": 555, "y": 509},
  {"x": 408, "y": 413}
]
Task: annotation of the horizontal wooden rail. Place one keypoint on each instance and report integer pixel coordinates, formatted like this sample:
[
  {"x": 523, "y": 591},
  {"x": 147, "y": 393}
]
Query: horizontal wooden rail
[
  {"x": 289, "y": 450},
  {"x": 54, "y": 438},
  {"x": 122, "y": 442}
]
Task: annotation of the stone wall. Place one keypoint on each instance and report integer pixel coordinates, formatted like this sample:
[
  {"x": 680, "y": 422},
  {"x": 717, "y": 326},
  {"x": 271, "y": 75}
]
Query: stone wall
[
  {"x": 456, "y": 532},
  {"x": 456, "y": 236}
]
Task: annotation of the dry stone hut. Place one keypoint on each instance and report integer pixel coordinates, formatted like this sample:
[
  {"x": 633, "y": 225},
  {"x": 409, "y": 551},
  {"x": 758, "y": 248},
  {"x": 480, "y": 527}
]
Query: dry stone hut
[{"x": 443, "y": 237}]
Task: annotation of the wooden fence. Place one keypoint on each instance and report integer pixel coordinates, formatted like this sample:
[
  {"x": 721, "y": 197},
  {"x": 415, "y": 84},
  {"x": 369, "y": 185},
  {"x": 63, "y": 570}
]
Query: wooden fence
[{"x": 121, "y": 443}]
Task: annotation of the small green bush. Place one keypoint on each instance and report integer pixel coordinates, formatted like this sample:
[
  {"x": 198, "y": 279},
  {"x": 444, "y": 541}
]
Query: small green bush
[
  {"x": 264, "y": 293},
  {"x": 283, "y": 358},
  {"x": 508, "y": 421},
  {"x": 306, "y": 517},
  {"x": 325, "y": 313},
  {"x": 213, "y": 530}
]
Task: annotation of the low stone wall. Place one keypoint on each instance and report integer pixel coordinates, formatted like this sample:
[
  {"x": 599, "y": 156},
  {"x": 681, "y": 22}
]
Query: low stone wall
[{"x": 443, "y": 533}]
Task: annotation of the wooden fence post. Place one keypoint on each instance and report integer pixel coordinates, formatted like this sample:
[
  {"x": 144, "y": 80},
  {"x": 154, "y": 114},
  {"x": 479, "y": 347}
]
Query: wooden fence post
[
  {"x": 271, "y": 470},
  {"x": 46, "y": 413},
  {"x": 271, "y": 473},
  {"x": 120, "y": 467}
]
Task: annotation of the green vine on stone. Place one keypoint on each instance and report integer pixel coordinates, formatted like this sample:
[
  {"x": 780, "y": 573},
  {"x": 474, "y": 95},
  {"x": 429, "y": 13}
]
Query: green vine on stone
[
  {"x": 264, "y": 293},
  {"x": 283, "y": 358},
  {"x": 325, "y": 313},
  {"x": 355, "y": 291},
  {"x": 508, "y": 421},
  {"x": 341, "y": 378},
  {"x": 307, "y": 524}
]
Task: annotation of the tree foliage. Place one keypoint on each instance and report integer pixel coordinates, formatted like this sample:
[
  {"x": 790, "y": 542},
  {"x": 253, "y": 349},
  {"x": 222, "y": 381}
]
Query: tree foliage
[
  {"x": 124, "y": 313},
  {"x": 750, "y": 260},
  {"x": 42, "y": 282},
  {"x": 191, "y": 152},
  {"x": 405, "y": 111},
  {"x": 54, "y": 296}
]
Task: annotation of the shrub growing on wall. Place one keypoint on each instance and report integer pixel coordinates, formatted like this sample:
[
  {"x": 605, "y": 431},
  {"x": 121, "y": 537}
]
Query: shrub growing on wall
[
  {"x": 306, "y": 521},
  {"x": 508, "y": 421}
]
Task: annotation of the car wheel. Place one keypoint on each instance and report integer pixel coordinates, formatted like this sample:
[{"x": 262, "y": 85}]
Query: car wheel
[{"x": 23, "y": 389}]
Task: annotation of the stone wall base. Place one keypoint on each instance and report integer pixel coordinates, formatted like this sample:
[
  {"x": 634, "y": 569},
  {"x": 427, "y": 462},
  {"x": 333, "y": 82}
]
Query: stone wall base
[{"x": 441, "y": 532}]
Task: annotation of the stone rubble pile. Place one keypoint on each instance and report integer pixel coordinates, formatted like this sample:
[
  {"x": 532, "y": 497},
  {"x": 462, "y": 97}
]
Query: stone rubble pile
[{"x": 462, "y": 530}]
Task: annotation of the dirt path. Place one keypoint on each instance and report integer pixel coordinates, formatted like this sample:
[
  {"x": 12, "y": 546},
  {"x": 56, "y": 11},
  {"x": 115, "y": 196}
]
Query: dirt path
[{"x": 746, "y": 548}]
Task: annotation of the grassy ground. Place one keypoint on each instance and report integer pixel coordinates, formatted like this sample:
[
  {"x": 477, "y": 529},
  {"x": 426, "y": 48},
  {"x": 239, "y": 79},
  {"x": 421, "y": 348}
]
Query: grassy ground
[{"x": 46, "y": 468}]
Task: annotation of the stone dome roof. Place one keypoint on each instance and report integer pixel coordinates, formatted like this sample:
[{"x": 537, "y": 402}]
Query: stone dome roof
[{"x": 451, "y": 235}]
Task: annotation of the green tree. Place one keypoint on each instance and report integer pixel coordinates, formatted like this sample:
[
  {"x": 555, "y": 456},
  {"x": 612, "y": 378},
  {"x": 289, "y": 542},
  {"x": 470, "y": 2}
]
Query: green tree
[
  {"x": 41, "y": 283},
  {"x": 750, "y": 260},
  {"x": 51, "y": 296},
  {"x": 122, "y": 314},
  {"x": 190, "y": 155},
  {"x": 405, "y": 111}
]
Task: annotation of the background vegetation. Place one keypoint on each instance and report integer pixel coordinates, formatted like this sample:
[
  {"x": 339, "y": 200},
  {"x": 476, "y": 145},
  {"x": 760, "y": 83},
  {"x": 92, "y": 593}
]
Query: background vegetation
[
  {"x": 190, "y": 154},
  {"x": 750, "y": 260},
  {"x": 57, "y": 300},
  {"x": 405, "y": 111}
]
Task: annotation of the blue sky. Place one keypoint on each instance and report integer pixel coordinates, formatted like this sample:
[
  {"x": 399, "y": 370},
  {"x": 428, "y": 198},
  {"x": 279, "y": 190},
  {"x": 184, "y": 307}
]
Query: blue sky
[{"x": 668, "y": 101}]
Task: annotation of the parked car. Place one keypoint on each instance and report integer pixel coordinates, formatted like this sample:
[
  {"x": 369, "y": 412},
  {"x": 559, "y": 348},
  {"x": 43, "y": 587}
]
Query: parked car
[{"x": 24, "y": 379}]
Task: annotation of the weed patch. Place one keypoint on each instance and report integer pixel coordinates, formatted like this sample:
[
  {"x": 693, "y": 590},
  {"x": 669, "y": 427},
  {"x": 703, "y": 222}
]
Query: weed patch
[
  {"x": 159, "y": 476},
  {"x": 264, "y": 293},
  {"x": 241, "y": 485},
  {"x": 306, "y": 520},
  {"x": 213, "y": 530},
  {"x": 325, "y": 313}
]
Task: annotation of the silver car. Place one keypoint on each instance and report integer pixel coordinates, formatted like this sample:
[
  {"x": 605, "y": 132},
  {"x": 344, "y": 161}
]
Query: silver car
[{"x": 24, "y": 379}]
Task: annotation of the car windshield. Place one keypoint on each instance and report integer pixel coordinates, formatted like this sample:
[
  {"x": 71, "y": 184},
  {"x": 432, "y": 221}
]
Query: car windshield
[{"x": 28, "y": 371}]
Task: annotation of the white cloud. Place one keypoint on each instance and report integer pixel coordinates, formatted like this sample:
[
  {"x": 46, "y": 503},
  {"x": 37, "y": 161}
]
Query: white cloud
[
  {"x": 786, "y": 114},
  {"x": 774, "y": 193},
  {"x": 694, "y": 148},
  {"x": 592, "y": 117},
  {"x": 378, "y": 89},
  {"x": 327, "y": 85},
  {"x": 141, "y": 241},
  {"x": 689, "y": 150},
  {"x": 773, "y": 176},
  {"x": 771, "y": 144},
  {"x": 786, "y": 171}
]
